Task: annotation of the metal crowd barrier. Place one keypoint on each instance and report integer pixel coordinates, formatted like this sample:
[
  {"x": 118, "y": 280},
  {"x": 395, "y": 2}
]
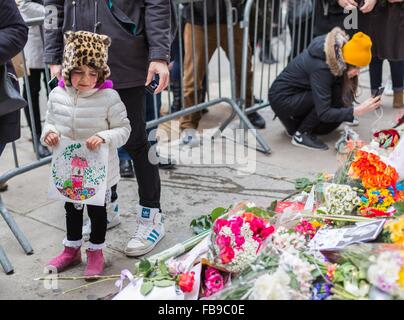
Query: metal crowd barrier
[{"x": 278, "y": 29}]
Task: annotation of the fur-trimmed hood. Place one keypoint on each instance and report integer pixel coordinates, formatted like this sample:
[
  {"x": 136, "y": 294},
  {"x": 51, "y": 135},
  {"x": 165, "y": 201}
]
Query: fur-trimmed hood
[{"x": 329, "y": 48}]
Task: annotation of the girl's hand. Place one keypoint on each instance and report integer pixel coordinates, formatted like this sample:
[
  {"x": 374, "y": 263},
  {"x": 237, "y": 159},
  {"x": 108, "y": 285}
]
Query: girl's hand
[
  {"x": 348, "y": 4},
  {"x": 51, "y": 139},
  {"x": 94, "y": 142},
  {"x": 367, "y": 106},
  {"x": 368, "y": 6}
]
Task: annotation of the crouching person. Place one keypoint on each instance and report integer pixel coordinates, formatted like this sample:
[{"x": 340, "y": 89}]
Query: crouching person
[
  {"x": 316, "y": 91},
  {"x": 85, "y": 107}
]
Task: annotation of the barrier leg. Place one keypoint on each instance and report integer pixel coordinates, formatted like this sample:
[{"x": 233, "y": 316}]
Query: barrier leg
[
  {"x": 5, "y": 263},
  {"x": 15, "y": 229}
]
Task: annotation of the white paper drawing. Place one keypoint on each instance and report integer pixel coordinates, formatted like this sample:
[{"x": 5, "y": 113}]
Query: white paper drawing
[{"x": 78, "y": 174}]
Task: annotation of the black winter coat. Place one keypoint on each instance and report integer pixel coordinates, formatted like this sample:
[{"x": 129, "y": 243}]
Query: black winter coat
[
  {"x": 13, "y": 36},
  {"x": 140, "y": 31},
  {"x": 328, "y": 14},
  {"x": 318, "y": 69}
]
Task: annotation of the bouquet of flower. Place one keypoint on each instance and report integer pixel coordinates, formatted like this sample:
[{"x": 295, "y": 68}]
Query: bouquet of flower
[
  {"x": 274, "y": 275},
  {"x": 394, "y": 231},
  {"x": 377, "y": 203},
  {"x": 237, "y": 240},
  {"x": 372, "y": 171},
  {"x": 340, "y": 199},
  {"x": 364, "y": 269}
]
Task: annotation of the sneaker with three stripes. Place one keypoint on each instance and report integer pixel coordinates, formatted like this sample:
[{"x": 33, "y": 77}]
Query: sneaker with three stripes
[{"x": 149, "y": 231}]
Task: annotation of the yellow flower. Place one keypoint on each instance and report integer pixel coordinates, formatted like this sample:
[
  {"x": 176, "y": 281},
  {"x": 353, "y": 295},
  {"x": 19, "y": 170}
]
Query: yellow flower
[
  {"x": 401, "y": 278},
  {"x": 396, "y": 229},
  {"x": 316, "y": 224}
]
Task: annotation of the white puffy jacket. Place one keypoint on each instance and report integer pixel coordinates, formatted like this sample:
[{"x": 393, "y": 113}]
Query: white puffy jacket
[{"x": 80, "y": 115}]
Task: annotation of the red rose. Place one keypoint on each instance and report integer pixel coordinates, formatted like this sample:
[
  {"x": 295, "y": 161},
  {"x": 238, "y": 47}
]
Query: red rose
[
  {"x": 226, "y": 254},
  {"x": 186, "y": 281}
]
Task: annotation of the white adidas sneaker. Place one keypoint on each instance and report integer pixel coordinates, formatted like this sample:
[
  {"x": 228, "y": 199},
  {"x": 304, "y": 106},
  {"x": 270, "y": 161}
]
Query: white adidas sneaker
[{"x": 149, "y": 231}]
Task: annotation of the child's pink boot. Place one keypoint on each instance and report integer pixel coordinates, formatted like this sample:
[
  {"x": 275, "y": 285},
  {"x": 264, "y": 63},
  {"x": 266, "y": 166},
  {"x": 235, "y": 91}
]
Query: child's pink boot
[
  {"x": 68, "y": 258},
  {"x": 95, "y": 263}
]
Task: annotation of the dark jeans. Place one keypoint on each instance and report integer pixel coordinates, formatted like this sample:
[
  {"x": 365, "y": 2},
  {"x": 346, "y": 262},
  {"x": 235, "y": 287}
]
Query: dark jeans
[
  {"x": 150, "y": 115},
  {"x": 376, "y": 72},
  {"x": 147, "y": 174},
  {"x": 34, "y": 80},
  {"x": 297, "y": 113},
  {"x": 98, "y": 217}
]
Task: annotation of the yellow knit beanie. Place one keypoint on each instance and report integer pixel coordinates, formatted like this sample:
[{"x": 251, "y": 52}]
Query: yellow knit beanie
[{"x": 357, "y": 51}]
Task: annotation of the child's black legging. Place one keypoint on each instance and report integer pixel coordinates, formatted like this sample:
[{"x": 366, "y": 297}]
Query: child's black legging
[{"x": 98, "y": 217}]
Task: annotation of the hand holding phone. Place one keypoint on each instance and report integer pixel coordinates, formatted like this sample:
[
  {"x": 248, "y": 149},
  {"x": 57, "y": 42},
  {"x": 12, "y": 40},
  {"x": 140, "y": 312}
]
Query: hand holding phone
[
  {"x": 379, "y": 92},
  {"x": 152, "y": 87}
]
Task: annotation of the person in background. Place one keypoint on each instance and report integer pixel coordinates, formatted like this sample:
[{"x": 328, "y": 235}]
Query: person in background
[
  {"x": 13, "y": 37},
  {"x": 314, "y": 94},
  {"x": 383, "y": 20},
  {"x": 30, "y": 9}
]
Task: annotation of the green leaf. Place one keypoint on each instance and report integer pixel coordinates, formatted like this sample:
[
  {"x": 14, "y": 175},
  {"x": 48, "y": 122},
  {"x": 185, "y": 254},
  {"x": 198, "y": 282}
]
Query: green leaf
[
  {"x": 163, "y": 268},
  {"x": 294, "y": 284},
  {"x": 303, "y": 184},
  {"x": 216, "y": 213},
  {"x": 146, "y": 288},
  {"x": 273, "y": 205},
  {"x": 399, "y": 206},
  {"x": 145, "y": 267},
  {"x": 164, "y": 283}
]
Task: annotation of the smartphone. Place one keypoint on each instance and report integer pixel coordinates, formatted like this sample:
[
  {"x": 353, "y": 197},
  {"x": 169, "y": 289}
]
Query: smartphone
[
  {"x": 379, "y": 92},
  {"x": 53, "y": 83},
  {"x": 152, "y": 87}
]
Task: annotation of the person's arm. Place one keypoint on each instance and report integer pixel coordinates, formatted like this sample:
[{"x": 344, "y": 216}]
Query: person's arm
[
  {"x": 30, "y": 9},
  {"x": 50, "y": 124},
  {"x": 53, "y": 53},
  {"x": 321, "y": 82},
  {"x": 158, "y": 26},
  {"x": 13, "y": 31}
]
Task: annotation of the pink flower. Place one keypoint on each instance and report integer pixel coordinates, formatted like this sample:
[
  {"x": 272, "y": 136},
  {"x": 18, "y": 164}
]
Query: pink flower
[
  {"x": 219, "y": 224},
  {"x": 235, "y": 225},
  {"x": 210, "y": 272},
  {"x": 214, "y": 284},
  {"x": 226, "y": 254},
  {"x": 223, "y": 241},
  {"x": 266, "y": 232},
  {"x": 239, "y": 241},
  {"x": 256, "y": 225}
]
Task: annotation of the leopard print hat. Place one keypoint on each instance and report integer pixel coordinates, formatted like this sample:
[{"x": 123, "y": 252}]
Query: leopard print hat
[{"x": 85, "y": 48}]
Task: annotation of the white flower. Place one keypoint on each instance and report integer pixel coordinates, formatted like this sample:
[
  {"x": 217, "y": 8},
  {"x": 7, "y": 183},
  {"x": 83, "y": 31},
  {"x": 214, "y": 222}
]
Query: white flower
[
  {"x": 272, "y": 287},
  {"x": 384, "y": 273}
]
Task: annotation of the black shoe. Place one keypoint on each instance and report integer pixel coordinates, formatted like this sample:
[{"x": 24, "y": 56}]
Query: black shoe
[
  {"x": 126, "y": 169},
  {"x": 257, "y": 121},
  {"x": 43, "y": 152},
  {"x": 3, "y": 187},
  {"x": 166, "y": 163},
  {"x": 308, "y": 141}
]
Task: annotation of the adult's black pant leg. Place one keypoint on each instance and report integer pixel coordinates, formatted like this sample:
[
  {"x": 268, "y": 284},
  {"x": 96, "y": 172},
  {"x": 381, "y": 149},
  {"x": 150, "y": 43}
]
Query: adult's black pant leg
[{"x": 147, "y": 174}]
